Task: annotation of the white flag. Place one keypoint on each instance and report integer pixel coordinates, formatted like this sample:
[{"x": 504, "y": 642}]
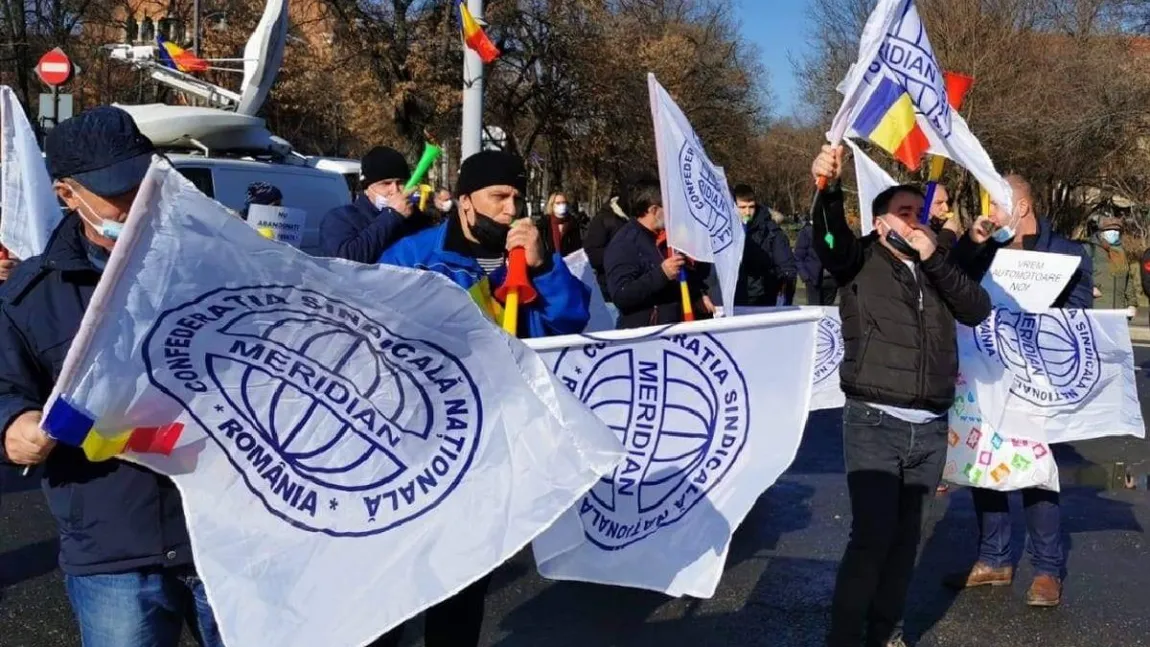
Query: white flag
[
  {"x": 895, "y": 46},
  {"x": 707, "y": 426},
  {"x": 826, "y": 392},
  {"x": 29, "y": 211},
  {"x": 872, "y": 180},
  {"x": 603, "y": 314},
  {"x": 1054, "y": 376},
  {"x": 359, "y": 442},
  {"x": 701, "y": 218}
]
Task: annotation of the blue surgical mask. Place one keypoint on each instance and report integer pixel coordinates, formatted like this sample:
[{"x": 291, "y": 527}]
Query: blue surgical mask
[
  {"x": 109, "y": 229},
  {"x": 1111, "y": 237},
  {"x": 1003, "y": 234}
]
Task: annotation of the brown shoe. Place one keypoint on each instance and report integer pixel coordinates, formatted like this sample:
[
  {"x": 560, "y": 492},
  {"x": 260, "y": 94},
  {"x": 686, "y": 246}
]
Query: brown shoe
[
  {"x": 1045, "y": 591},
  {"x": 981, "y": 574}
]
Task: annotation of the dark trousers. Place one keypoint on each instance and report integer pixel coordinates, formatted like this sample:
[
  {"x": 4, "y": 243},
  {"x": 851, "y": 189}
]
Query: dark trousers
[
  {"x": 1043, "y": 529},
  {"x": 893, "y": 466},
  {"x": 455, "y": 622},
  {"x": 822, "y": 295}
]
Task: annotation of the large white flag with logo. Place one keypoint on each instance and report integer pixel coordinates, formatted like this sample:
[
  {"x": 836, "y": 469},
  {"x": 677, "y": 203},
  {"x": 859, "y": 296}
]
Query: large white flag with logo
[
  {"x": 895, "y": 47},
  {"x": 1044, "y": 377},
  {"x": 701, "y": 218},
  {"x": 29, "y": 212},
  {"x": 359, "y": 442},
  {"x": 707, "y": 426}
]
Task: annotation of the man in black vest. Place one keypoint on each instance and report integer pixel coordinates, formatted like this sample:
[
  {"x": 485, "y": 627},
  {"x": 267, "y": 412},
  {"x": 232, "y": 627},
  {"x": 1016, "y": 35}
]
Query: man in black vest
[{"x": 899, "y": 302}]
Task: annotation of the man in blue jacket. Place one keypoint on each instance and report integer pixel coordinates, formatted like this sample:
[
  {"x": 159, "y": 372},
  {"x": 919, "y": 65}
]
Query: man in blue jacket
[
  {"x": 470, "y": 248},
  {"x": 642, "y": 278},
  {"x": 380, "y": 216},
  {"x": 820, "y": 285},
  {"x": 768, "y": 267},
  {"x": 976, "y": 251},
  {"x": 124, "y": 545}
]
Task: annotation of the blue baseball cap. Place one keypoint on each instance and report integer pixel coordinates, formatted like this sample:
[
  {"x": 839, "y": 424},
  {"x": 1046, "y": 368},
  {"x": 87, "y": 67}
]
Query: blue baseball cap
[{"x": 102, "y": 149}]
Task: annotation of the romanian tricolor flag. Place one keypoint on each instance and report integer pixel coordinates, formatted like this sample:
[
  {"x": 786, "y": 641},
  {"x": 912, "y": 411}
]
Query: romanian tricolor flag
[
  {"x": 481, "y": 295},
  {"x": 177, "y": 58},
  {"x": 68, "y": 425},
  {"x": 888, "y": 119},
  {"x": 475, "y": 37}
]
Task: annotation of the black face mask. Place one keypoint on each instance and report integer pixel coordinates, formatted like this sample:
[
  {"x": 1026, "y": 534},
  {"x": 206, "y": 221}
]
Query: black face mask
[{"x": 490, "y": 234}]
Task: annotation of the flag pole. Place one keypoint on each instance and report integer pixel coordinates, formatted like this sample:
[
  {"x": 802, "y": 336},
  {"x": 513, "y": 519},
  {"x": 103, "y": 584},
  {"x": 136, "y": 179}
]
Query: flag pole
[{"x": 472, "y": 136}]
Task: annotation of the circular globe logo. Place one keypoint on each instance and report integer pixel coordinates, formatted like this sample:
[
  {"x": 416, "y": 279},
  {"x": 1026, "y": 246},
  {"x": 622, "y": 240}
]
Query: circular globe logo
[
  {"x": 1051, "y": 356},
  {"x": 679, "y": 406},
  {"x": 829, "y": 349},
  {"x": 336, "y": 423}
]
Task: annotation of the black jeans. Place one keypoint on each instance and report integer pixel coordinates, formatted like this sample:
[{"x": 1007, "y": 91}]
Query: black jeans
[
  {"x": 455, "y": 622},
  {"x": 822, "y": 295},
  {"x": 893, "y": 466}
]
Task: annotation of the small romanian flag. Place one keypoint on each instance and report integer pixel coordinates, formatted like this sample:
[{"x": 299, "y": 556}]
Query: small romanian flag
[
  {"x": 70, "y": 426},
  {"x": 888, "y": 120},
  {"x": 177, "y": 58},
  {"x": 475, "y": 37}
]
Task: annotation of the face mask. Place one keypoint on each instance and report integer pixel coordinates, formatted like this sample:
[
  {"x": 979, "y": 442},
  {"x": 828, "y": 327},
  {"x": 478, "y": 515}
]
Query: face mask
[
  {"x": 1111, "y": 237},
  {"x": 444, "y": 206},
  {"x": 560, "y": 210},
  {"x": 109, "y": 229},
  {"x": 380, "y": 202},
  {"x": 1003, "y": 235},
  {"x": 491, "y": 235}
]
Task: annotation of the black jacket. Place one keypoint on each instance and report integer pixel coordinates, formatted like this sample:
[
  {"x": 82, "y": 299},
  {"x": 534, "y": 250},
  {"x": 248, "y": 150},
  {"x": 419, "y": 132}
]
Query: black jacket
[
  {"x": 113, "y": 516},
  {"x": 898, "y": 325},
  {"x": 600, "y": 231},
  {"x": 639, "y": 288},
  {"x": 768, "y": 265}
]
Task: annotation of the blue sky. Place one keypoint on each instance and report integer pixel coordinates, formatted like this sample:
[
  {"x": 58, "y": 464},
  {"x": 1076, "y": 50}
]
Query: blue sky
[{"x": 779, "y": 28}]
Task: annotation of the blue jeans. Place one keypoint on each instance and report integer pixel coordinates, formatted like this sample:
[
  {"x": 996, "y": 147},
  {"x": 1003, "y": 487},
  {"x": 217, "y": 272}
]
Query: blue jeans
[
  {"x": 145, "y": 608},
  {"x": 1043, "y": 529},
  {"x": 893, "y": 468}
]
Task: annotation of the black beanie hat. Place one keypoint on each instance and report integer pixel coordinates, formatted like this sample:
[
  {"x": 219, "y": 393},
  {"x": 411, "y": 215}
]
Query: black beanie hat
[
  {"x": 382, "y": 163},
  {"x": 489, "y": 168}
]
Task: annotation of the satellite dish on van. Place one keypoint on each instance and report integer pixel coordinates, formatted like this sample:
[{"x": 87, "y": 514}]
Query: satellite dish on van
[
  {"x": 191, "y": 127},
  {"x": 263, "y": 56}
]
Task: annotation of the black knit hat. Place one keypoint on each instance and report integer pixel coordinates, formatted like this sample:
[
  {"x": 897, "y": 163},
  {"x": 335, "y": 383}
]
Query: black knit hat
[
  {"x": 382, "y": 163},
  {"x": 489, "y": 168}
]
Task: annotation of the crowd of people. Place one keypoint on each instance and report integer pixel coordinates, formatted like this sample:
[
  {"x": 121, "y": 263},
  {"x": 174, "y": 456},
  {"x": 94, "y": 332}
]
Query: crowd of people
[{"x": 124, "y": 547}]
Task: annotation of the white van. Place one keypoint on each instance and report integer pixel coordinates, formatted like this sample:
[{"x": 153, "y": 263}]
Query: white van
[
  {"x": 226, "y": 181},
  {"x": 224, "y": 152}
]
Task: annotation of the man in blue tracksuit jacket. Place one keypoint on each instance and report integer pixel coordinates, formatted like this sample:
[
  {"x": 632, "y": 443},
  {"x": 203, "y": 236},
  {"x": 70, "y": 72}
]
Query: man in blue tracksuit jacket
[
  {"x": 1043, "y": 514},
  {"x": 470, "y": 248},
  {"x": 124, "y": 545},
  {"x": 381, "y": 215}
]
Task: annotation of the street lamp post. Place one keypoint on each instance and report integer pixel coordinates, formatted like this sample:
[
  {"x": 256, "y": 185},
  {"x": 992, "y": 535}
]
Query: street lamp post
[{"x": 196, "y": 27}]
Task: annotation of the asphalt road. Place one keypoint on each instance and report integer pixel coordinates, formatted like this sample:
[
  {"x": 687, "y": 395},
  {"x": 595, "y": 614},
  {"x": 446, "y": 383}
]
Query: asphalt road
[{"x": 779, "y": 578}]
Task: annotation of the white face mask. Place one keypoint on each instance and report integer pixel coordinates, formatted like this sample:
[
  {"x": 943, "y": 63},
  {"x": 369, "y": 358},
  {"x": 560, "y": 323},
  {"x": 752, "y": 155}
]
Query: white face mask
[
  {"x": 561, "y": 209},
  {"x": 1111, "y": 237},
  {"x": 444, "y": 206},
  {"x": 109, "y": 229}
]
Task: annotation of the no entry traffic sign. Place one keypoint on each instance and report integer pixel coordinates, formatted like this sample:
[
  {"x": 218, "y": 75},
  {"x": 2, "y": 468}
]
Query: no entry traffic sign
[{"x": 55, "y": 68}]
